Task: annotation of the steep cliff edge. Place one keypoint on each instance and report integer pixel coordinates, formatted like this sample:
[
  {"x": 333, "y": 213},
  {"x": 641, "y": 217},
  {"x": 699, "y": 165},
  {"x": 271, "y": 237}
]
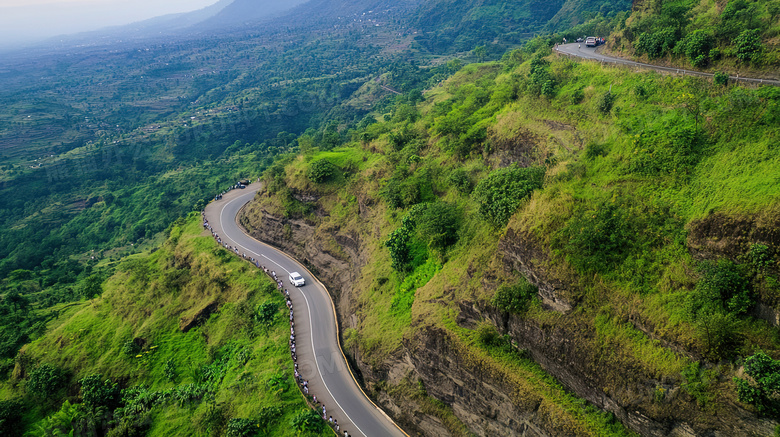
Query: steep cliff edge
[
  {"x": 602, "y": 261},
  {"x": 433, "y": 361},
  {"x": 428, "y": 366}
]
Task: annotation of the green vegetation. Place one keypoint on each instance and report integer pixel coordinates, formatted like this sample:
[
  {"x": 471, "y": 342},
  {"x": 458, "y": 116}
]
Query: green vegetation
[
  {"x": 737, "y": 35},
  {"x": 515, "y": 298},
  {"x": 322, "y": 171},
  {"x": 604, "y": 188},
  {"x": 182, "y": 341},
  {"x": 500, "y": 193},
  {"x": 762, "y": 390},
  {"x": 45, "y": 381},
  {"x": 646, "y": 205}
]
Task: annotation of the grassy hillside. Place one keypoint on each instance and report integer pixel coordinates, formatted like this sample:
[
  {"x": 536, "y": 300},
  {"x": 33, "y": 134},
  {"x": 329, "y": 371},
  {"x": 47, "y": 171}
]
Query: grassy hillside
[
  {"x": 621, "y": 186},
  {"x": 179, "y": 345}
]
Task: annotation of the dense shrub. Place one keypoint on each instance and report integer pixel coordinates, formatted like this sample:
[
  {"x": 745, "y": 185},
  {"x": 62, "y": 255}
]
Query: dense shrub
[
  {"x": 131, "y": 348},
  {"x": 405, "y": 188},
  {"x": 548, "y": 89},
  {"x": 489, "y": 337},
  {"x": 717, "y": 333},
  {"x": 696, "y": 47},
  {"x": 749, "y": 47},
  {"x": 720, "y": 296},
  {"x": 322, "y": 171},
  {"x": 307, "y": 421},
  {"x": 605, "y": 102},
  {"x": 762, "y": 390},
  {"x": 501, "y": 192},
  {"x": 46, "y": 381},
  {"x": 460, "y": 179},
  {"x": 515, "y": 298},
  {"x": 98, "y": 392},
  {"x": 241, "y": 428},
  {"x": 540, "y": 79},
  {"x": 398, "y": 243},
  {"x": 266, "y": 312},
  {"x": 721, "y": 78},
  {"x": 597, "y": 238},
  {"x": 723, "y": 284},
  {"x": 656, "y": 44},
  {"x": 438, "y": 225}
]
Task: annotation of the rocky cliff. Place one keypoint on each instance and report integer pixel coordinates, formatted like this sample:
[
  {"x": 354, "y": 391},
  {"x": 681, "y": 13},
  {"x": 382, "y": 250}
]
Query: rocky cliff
[{"x": 433, "y": 365}]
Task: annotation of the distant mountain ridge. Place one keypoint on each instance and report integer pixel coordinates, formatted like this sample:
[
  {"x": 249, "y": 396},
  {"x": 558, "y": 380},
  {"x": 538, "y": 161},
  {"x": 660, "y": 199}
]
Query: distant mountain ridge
[{"x": 240, "y": 12}]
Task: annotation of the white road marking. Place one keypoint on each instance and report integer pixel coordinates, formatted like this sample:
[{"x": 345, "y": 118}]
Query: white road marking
[
  {"x": 280, "y": 266},
  {"x": 316, "y": 361},
  {"x": 222, "y": 220}
]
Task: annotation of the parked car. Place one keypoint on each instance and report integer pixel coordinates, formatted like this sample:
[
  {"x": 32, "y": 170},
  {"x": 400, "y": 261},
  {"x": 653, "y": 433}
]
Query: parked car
[
  {"x": 580, "y": 40},
  {"x": 297, "y": 280},
  {"x": 591, "y": 41}
]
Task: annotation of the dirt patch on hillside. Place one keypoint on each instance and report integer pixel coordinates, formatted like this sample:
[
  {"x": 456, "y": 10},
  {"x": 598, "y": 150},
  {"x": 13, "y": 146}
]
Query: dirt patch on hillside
[{"x": 719, "y": 235}]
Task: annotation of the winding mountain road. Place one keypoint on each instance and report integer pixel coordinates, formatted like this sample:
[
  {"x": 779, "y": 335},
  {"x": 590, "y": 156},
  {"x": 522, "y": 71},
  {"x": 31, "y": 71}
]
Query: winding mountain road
[
  {"x": 320, "y": 359},
  {"x": 581, "y": 51}
]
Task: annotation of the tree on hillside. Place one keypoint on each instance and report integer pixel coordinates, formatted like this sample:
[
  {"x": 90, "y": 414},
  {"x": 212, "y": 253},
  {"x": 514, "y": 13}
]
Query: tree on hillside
[
  {"x": 98, "y": 392},
  {"x": 499, "y": 194},
  {"x": 749, "y": 46},
  {"x": 322, "y": 171},
  {"x": 398, "y": 243},
  {"x": 438, "y": 225},
  {"x": 762, "y": 388}
]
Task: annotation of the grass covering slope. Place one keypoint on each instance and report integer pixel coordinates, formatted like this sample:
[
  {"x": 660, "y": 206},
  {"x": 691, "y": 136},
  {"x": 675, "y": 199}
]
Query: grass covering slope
[
  {"x": 634, "y": 164},
  {"x": 181, "y": 332}
]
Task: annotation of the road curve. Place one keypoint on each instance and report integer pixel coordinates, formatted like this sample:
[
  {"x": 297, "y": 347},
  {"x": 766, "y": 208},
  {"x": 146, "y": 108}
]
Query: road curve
[
  {"x": 320, "y": 359},
  {"x": 581, "y": 51}
]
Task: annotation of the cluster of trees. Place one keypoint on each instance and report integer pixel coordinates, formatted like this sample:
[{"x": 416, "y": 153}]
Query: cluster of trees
[
  {"x": 740, "y": 31},
  {"x": 436, "y": 224}
]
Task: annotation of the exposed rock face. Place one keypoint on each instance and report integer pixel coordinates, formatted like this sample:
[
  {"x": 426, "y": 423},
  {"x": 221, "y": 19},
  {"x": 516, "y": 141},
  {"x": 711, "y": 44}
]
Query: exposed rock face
[
  {"x": 522, "y": 254},
  {"x": 488, "y": 406},
  {"x": 484, "y": 406},
  {"x": 568, "y": 352},
  {"x": 720, "y": 235},
  {"x": 479, "y": 400}
]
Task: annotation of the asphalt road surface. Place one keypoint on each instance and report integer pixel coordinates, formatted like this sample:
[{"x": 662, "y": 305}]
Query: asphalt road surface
[
  {"x": 579, "y": 50},
  {"x": 320, "y": 359}
]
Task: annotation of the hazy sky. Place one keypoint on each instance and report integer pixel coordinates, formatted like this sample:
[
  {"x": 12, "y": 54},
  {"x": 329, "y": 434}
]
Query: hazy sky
[{"x": 25, "y": 20}]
